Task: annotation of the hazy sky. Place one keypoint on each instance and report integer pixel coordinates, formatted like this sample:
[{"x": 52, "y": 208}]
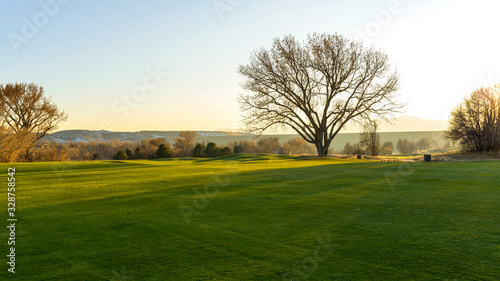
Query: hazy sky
[{"x": 106, "y": 62}]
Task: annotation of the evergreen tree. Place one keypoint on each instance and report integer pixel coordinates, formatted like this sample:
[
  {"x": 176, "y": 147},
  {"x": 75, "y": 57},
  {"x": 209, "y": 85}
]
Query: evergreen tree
[{"x": 163, "y": 152}]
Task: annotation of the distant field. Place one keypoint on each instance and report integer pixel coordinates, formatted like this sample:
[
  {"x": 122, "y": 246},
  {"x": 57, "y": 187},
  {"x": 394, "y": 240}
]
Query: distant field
[{"x": 261, "y": 217}]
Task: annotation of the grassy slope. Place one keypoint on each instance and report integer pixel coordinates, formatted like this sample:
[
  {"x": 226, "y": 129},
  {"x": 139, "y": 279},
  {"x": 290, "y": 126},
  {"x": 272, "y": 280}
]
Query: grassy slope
[{"x": 114, "y": 220}]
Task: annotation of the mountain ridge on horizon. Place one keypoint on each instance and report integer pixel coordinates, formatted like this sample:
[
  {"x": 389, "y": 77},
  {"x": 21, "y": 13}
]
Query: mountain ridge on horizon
[
  {"x": 76, "y": 135},
  {"x": 399, "y": 124}
]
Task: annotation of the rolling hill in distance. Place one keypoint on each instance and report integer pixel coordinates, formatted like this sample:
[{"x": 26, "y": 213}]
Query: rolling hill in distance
[
  {"x": 403, "y": 127},
  {"x": 406, "y": 124}
]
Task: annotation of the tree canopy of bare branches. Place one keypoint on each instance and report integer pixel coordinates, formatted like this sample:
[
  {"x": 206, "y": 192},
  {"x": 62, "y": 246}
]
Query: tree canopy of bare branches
[
  {"x": 26, "y": 111},
  {"x": 475, "y": 123},
  {"x": 369, "y": 139},
  {"x": 316, "y": 87},
  {"x": 297, "y": 146},
  {"x": 184, "y": 144}
]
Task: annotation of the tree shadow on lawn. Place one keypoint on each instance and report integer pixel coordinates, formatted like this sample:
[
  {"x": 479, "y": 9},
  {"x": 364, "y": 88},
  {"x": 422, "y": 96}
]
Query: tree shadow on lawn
[
  {"x": 157, "y": 211},
  {"x": 301, "y": 181}
]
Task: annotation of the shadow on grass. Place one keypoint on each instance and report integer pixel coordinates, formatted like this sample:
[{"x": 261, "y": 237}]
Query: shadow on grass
[
  {"x": 161, "y": 186},
  {"x": 272, "y": 215},
  {"x": 248, "y": 157}
]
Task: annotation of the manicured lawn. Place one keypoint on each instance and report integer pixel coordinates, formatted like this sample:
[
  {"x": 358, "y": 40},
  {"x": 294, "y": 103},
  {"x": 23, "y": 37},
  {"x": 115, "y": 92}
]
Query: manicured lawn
[{"x": 247, "y": 217}]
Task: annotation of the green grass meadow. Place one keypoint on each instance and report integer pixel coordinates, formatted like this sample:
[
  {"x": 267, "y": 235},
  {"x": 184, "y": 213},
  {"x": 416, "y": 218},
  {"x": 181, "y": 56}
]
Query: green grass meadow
[{"x": 255, "y": 217}]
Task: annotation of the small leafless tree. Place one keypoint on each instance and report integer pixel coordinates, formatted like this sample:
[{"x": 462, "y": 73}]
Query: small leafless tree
[
  {"x": 406, "y": 146},
  {"x": 269, "y": 145},
  {"x": 369, "y": 139},
  {"x": 387, "y": 148},
  {"x": 244, "y": 146},
  {"x": 26, "y": 111},
  {"x": 476, "y": 122},
  {"x": 348, "y": 149},
  {"x": 184, "y": 144},
  {"x": 297, "y": 146},
  {"x": 317, "y": 87},
  {"x": 426, "y": 144}
]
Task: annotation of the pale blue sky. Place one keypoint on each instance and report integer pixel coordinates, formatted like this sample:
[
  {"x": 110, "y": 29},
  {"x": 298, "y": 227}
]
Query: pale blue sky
[{"x": 91, "y": 55}]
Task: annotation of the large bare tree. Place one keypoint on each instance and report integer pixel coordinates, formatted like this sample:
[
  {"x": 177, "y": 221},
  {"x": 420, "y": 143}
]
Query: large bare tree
[
  {"x": 316, "y": 87},
  {"x": 26, "y": 111},
  {"x": 475, "y": 123}
]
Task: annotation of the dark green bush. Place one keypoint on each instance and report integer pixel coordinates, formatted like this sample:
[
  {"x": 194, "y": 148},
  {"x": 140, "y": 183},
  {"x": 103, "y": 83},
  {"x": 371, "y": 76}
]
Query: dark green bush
[
  {"x": 120, "y": 155},
  {"x": 211, "y": 150},
  {"x": 226, "y": 151},
  {"x": 163, "y": 152},
  {"x": 198, "y": 150}
]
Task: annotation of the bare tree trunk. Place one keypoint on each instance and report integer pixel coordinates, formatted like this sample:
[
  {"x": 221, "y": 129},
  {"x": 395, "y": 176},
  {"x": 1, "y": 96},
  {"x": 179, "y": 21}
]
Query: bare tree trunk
[
  {"x": 322, "y": 150},
  {"x": 29, "y": 157}
]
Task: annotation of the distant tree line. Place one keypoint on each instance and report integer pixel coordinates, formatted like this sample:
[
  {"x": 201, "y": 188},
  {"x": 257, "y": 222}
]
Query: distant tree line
[
  {"x": 295, "y": 146},
  {"x": 185, "y": 145},
  {"x": 403, "y": 145},
  {"x": 370, "y": 144}
]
